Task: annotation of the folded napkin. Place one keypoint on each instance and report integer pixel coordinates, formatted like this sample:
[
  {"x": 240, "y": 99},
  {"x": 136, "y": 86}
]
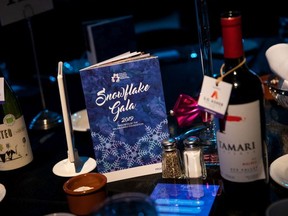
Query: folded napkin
[{"x": 277, "y": 57}]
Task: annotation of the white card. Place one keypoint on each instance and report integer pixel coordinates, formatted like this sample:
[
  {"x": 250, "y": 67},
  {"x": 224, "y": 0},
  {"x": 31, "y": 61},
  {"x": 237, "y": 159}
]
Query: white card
[
  {"x": 13, "y": 11},
  {"x": 214, "y": 97},
  {"x": 2, "y": 95}
]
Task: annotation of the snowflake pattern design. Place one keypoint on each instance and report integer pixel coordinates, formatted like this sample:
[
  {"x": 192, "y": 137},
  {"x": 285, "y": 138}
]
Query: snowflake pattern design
[{"x": 112, "y": 155}]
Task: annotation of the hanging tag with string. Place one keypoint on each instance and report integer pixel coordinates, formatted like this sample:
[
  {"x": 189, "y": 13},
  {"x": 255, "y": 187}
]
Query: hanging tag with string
[
  {"x": 214, "y": 96},
  {"x": 215, "y": 93}
]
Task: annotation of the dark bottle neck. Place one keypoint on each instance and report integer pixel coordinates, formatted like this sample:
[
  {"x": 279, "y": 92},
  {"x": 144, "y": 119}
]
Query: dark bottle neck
[{"x": 232, "y": 38}]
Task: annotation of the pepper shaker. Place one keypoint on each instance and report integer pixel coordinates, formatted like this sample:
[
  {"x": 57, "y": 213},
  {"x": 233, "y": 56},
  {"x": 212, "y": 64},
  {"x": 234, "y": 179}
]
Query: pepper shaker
[
  {"x": 194, "y": 166},
  {"x": 172, "y": 166}
]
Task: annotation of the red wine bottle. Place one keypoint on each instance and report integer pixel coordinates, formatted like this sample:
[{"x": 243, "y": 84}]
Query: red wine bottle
[{"x": 241, "y": 139}]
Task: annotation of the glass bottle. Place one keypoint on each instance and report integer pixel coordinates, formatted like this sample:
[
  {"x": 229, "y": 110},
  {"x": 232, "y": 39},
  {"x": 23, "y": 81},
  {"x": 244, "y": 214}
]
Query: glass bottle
[
  {"x": 172, "y": 166},
  {"x": 241, "y": 136},
  {"x": 194, "y": 166},
  {"x": 15, "y": 148}
]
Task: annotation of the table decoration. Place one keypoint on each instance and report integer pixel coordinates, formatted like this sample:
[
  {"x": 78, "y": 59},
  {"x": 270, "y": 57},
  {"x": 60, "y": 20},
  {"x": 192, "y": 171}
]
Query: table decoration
[{"x": 186, "y": 111}]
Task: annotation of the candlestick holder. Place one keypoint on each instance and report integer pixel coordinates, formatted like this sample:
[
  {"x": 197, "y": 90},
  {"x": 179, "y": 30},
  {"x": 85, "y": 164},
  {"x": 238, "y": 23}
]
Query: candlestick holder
[
  {"x": 45, "y": 119},
  {"x": 208, "y": 135}
]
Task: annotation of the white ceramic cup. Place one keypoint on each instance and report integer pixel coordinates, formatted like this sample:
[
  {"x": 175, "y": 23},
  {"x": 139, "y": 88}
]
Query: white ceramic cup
[{"x": 277, "y": 57}]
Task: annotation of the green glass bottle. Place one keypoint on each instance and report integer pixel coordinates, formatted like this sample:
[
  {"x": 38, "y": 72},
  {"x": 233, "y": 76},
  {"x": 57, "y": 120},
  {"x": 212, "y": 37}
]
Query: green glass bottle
[{"x": 15, "y": 148}]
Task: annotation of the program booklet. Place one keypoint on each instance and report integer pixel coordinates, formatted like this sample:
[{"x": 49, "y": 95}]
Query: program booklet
[{"x": 127, "y": 115}]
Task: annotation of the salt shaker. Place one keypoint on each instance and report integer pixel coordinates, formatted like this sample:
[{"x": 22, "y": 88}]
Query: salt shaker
[
  {"x": 172, "y": 166},
  {"x": 194, "y": 166}
]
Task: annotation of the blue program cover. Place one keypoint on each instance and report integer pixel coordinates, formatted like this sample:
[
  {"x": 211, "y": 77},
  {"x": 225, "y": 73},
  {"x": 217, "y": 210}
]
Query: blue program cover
[{"x": 127, "y": 116}]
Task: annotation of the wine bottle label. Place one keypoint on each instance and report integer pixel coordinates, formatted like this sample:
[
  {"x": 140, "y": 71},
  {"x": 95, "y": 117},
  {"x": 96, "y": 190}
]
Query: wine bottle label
[
  {"x": 240, "y": 144},
  {"x": 15, "y": 148}
]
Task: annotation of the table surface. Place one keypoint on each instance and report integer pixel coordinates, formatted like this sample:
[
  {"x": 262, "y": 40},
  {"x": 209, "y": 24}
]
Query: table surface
[{"x": 35, "y": 190}]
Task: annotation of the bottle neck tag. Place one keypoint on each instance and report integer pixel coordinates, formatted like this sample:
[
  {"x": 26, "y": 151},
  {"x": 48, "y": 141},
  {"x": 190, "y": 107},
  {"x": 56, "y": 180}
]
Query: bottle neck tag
[
  {"x": 214, "y": 96},
  {"x": 2, "y": 93}
]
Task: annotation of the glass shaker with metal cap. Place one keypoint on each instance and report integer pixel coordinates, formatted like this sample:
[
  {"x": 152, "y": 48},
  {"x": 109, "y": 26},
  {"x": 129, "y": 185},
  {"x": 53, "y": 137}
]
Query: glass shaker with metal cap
[
  {"x": 194, "y": 166},
  {"x": 172, "y": 166}
]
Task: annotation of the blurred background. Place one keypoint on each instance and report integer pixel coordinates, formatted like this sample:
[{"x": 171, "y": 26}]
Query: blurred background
[{"x": 59, "y": 33}]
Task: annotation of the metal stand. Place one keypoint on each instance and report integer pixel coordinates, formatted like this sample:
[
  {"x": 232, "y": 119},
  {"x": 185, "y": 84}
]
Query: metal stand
[
  {"x": 208, "y": 135},
  {"x": 46, "y": 119},
  {"x": 73, "y": 165}
]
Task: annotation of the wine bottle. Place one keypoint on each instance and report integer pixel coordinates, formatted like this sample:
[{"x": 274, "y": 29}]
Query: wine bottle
[
  {"x": 241, "y": 139},
  {"x": 15, "y": 148}
]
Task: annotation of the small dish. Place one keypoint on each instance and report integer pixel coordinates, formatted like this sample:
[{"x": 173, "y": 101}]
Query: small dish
[
  {"x": 80, "y": 121},
  {"x": 85, "y": 192},
  {"x": 2, "y": 192},
  {"x": 278, "y": 208},
  {"x": 279, "y": 170}
]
